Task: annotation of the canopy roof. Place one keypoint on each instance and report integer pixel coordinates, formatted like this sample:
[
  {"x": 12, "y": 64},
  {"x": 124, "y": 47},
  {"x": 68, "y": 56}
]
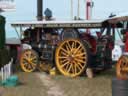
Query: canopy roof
[
  {"x": 118, "y": 18},
  {"x": 60, "y": 24},
  {"x": 75, "y": 23}
]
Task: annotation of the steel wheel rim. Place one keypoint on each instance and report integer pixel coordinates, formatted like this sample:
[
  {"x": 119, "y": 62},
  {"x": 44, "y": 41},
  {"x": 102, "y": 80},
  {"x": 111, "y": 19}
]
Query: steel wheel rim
[
  {"x": 71, "y": 57},
  {"x": 29, "y": 60},
  {"x": 122, "y": 67}
]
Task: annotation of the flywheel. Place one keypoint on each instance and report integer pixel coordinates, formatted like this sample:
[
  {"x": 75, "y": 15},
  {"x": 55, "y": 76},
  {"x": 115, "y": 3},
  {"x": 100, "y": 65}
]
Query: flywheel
[
  {"x": 28, "y": 60},
  {"x": 71, "y": 57},
  {"x": 122, "y": 67}
]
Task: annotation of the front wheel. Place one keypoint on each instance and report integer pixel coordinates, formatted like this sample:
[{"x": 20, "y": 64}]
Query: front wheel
[
  {"x": 71, "y": 57},
  {"x": 122, "y": 67},
  {"x": 28, "y": 60}
]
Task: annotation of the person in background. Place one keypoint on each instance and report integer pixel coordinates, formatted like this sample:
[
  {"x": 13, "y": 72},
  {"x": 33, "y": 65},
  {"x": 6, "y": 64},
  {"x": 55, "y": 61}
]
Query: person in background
[{"x": 48, "y": 14}]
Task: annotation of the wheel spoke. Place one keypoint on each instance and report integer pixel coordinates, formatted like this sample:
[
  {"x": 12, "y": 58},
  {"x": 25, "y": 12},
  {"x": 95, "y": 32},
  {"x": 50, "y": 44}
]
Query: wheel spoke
[
  {"x": 78, "y": 67},
  {"x": 66, "y": 68},
  {"x": 69, "y": 46},
  {"x": 26, "y": 65},
  {"x": 25, "y": 60},
  {"x": 33, "y": 62},
  {"x": 77, "y": 49},
  {"x": 75, "y": 67},
  {"x": 69, "y": 68},
  {"x": 25, "y": 56},
  {"x": 80, "y": 54},
  {"x": 80, "y": 60},
  {"x": 62, "y": 61},
  {"x": 63, "y": 53},
  {"x": 62, "y": 57},
  {"x": 29, "y": 54},
  {"x": 64, "y": 50},
  {"x": 65, "y": 64},
  {"x": 33, "y": 58},
  {"x": 30, "y": 66},
  {"x": 73, "y": 44}
]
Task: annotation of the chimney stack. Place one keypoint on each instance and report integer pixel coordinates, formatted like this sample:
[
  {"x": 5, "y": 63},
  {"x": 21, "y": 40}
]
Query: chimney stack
[{"x": 39, "y": 10}]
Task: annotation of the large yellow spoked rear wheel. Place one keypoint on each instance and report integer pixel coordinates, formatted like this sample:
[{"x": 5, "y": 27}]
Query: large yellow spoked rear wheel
[
  {"x": 122, "y": 67},
  {"x": 29, "y": 60},
  {"x": 71, "y": 57}
]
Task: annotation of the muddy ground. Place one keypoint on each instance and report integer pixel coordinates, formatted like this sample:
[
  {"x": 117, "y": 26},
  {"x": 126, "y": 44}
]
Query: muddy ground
[{"x": 42, "y": 84}]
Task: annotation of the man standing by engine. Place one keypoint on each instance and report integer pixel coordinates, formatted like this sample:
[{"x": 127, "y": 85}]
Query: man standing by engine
[{"x": 4, "y": 54}]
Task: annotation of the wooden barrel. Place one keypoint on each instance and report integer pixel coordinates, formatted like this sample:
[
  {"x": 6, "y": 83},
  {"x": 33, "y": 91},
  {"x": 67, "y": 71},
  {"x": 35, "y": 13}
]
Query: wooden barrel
[{"x": 119, "y": 87}]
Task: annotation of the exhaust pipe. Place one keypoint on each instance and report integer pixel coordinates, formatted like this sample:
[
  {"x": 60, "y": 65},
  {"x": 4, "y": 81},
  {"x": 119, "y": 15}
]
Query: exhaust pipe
[{"x": 39, "y": 10}]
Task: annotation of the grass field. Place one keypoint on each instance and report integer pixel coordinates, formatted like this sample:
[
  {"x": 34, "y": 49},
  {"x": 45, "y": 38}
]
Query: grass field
[{"x": 41, "y": 84}]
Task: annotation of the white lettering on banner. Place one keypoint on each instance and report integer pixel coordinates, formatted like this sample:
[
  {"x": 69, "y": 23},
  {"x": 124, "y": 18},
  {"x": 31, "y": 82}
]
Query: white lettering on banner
[{"x": 73, "y": 25}]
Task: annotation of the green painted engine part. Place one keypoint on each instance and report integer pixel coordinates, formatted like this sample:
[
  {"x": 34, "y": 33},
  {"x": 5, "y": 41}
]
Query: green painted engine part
[
  {"x": 2, "y": 32},
  {"x": 4, "y": 57}
]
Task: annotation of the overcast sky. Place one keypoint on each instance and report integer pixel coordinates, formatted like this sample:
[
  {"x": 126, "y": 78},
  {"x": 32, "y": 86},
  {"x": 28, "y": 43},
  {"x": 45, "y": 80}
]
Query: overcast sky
[{"x": 26, "y": 9}]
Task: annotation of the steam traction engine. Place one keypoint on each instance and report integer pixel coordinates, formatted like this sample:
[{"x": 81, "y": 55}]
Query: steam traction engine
[
  {"x": 64, "y": 45},
  {"x": 122, "y": 64}
]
